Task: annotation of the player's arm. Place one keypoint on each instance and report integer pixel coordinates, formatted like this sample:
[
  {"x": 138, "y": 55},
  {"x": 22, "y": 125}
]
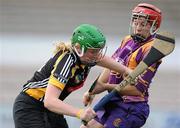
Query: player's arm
[
  {"x": 110, "y": 63},
  {"x": 128, "y": 90},
  {"x": 57, "y": 82},
  {"x": 103, "y": 85},
  {"x": 101, "y": 82},
  {"x": 56, "y": 105},
  {"x": 97, "y": 87},
  {"x": 52, "y": 102}
]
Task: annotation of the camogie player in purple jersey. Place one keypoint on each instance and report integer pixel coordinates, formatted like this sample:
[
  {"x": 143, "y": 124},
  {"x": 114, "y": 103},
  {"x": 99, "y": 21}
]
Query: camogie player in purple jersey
[{"x": 130, "y": 109}]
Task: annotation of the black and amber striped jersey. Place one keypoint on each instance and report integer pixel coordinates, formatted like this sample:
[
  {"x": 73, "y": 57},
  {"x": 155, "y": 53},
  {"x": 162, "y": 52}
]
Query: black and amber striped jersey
[{"x": 64, "y": 70}]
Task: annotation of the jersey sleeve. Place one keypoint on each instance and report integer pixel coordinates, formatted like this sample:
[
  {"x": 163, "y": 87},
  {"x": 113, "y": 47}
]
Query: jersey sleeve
[
  {"x": 122, "y": 44},
  {"x": 62, "y": 71},
  {"x": 115, "y": 54}
]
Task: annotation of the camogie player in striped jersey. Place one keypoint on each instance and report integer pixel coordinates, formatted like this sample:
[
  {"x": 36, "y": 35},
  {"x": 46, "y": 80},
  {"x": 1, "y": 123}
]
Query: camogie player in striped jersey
[
  {"x": 40, "y": 103},
  {"x": 130, "y": 109}
]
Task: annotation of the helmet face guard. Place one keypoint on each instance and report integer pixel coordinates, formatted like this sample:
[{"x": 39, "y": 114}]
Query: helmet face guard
[
  {"x": 98, "y": 57},
  {"x": 88, "y": 37},
  {"x": 151, "y": 15}
]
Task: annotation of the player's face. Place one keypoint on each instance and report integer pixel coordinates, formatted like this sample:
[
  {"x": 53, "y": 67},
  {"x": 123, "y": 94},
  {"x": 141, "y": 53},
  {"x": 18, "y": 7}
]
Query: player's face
[
  {"x": 141, "y": 27},
  {"x": 91, "y": 55}
]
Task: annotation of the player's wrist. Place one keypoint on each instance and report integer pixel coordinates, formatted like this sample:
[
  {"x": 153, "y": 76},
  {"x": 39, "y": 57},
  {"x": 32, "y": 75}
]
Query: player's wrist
[
  {"x": 79, "y": 113},
  {"x": 91, "y": 95}
]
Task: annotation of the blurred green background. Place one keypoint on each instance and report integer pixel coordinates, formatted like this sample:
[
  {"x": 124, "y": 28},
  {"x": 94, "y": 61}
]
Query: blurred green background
[{"x": 28, "y": 29}]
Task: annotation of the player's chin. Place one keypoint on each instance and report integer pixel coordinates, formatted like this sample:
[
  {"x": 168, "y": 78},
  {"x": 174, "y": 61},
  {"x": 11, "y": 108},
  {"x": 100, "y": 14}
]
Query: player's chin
[
  {"x": 84, "y": 61},
  {"x": 89, "y": 63}
]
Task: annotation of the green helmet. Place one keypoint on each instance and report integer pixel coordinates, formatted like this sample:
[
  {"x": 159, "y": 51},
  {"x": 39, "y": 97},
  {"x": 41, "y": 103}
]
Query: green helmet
[{"x": 88, "y": 36}]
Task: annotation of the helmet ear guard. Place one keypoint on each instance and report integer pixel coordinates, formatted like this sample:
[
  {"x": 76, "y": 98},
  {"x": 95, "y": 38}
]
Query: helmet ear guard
[{"x": 79, "y": 53}]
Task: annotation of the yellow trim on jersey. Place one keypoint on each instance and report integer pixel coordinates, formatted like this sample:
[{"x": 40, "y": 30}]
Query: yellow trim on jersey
[
  {"x": 37, "y": 93},
  {"x": 74, "y": 70},
  {"x": 55, "y": 82},
  {"x": 132, "y": 61},
  {"x": 152, "y": 69},
  {"x": 57, "y": 61},
  {"x": 52, "y": 80},
  {"x": 125, "y": 40}
]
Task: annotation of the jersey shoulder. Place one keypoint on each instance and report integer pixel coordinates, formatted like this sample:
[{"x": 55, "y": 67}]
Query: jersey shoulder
[{"x": 125, "y": 40}]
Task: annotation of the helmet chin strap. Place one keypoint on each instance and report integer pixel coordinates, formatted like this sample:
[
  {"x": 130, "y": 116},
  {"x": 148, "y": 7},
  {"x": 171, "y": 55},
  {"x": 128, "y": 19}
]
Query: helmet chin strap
[{"x": 77, "y": 52}]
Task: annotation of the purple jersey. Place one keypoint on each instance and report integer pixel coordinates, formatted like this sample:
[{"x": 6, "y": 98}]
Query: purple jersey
[
  {"x": 129, "y": 111},
  {"x": 130, "y": 54}
]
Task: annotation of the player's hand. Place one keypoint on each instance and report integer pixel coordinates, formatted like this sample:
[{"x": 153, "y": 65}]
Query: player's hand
[
  {"x": 87, "y": 114},
  {"x": 87, "y": 98},
  {"x": 83, "y": 126},
  {"x": 127, "y": 72}
]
